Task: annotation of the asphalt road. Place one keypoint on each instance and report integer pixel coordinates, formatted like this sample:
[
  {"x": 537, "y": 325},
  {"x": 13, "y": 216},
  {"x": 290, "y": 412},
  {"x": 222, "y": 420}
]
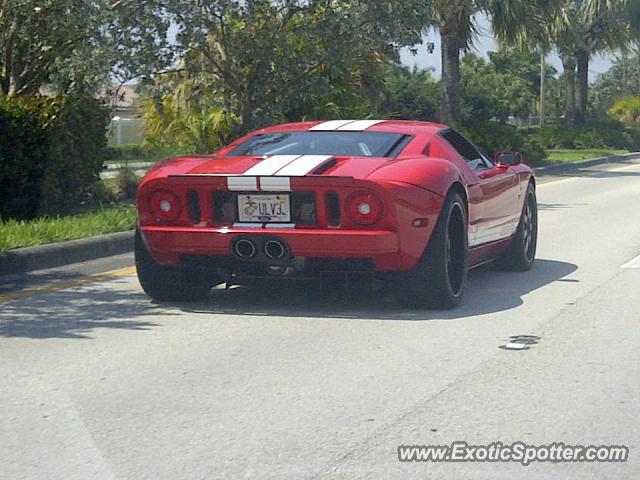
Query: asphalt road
[{"x": 98, "y": 382}]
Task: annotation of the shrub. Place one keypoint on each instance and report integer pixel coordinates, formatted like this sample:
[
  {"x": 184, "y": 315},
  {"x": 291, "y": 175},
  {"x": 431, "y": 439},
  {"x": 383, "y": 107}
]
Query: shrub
[
  {"x": 50, "y": 153},
  {"x": 77, "y": 137},
  {"x": 626, "y": 110},
  {"x": 599, "y": 133},
  {"x": 127, "y": 151},
  {"x": 23, "y": 158},
  {"x": 127, "y": 184},
  {"x": 533, "y": 152},
  {"x": 100, "y": 194},
  {"x": 494, "y": 137}
]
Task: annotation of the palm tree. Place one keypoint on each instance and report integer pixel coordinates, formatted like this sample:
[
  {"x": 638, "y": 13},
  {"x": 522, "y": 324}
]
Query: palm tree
[
  {"x": 584, "y": 28},
  {"x": 576, "y": 28},
  {"x": 454, "y": 19}
]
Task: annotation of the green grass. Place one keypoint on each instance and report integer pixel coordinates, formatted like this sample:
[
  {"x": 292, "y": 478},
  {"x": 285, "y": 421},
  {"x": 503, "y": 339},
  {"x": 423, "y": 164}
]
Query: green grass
[
  {"x": 557, "y": 156},
  {"x": 16, "y": 234}
]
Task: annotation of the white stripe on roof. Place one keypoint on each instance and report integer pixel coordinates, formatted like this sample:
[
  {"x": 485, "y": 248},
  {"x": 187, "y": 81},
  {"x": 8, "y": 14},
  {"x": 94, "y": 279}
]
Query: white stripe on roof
[
  {"x": 271, "y": 165},
  {"x": 360, "y": 125},
  {"x": 331, "y": 125},
  {"x": 303, "y": 165}
]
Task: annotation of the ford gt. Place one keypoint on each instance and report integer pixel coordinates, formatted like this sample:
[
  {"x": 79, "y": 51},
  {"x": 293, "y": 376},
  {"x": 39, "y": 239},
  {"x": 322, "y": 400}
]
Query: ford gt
[{"x": 344, "y": 202}]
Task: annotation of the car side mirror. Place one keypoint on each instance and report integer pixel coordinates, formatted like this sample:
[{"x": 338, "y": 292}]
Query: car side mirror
[{"x": 507, "y": 159}]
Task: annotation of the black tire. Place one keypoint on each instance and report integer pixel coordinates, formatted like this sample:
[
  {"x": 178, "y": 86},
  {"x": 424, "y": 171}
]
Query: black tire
[
  {"x": 169, "y": 284},
  {"x": 439, "y": 279},
  {"x": 521, "y": 253}
]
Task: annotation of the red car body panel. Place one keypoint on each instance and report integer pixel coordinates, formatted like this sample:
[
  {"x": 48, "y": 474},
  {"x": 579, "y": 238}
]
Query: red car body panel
[{"x": 412, "y": 188}]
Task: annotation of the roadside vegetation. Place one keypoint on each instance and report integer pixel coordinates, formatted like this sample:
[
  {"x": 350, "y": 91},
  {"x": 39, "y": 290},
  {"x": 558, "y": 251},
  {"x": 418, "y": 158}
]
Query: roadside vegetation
[
  {"x": 26, "y": 233},
  {"x": 127, "y": 154},
  {"x": 560, "y": 155}
]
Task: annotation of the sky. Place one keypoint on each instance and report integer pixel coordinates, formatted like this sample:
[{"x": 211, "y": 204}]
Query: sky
[{"x": 484, "y": 44}]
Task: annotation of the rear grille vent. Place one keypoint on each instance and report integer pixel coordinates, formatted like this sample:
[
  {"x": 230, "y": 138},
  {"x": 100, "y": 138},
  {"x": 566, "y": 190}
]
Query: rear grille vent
[
  {"x": 193, "y": 201},
  {"x": 303, "y": 208},
  {"x": 333, "y": 209},
  {"x": 224, "y": 207}
]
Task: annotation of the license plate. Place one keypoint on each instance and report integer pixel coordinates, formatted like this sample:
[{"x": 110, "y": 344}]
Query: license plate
[{"x": 264, "y": 208}]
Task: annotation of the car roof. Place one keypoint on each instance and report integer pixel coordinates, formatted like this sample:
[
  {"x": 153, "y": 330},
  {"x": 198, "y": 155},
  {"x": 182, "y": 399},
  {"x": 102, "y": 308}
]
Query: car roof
[{"x": 409, "y": 127}]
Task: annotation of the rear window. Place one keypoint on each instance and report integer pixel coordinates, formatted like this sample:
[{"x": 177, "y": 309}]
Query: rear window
[{"x": 360, "y": 144}]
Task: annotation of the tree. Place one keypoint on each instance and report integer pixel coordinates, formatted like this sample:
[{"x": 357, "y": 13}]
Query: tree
[
  {"x": 78, "y": 45},
  {"x": 626, "y": 110},
  {"x": 507, "y": 85},
  {"x": 264, "y": 58},
  {"x": 592, "y": 26},
  {"x": 454, "y": 19},
  {"x": 578, "y": 29},
  {"x": 622, "y": 79},
  {"x": 410, "y": 94}
]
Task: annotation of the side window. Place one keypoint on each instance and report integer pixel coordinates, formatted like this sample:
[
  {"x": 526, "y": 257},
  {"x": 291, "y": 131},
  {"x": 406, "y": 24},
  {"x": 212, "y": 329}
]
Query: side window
[{"x": 466, "y": 149}]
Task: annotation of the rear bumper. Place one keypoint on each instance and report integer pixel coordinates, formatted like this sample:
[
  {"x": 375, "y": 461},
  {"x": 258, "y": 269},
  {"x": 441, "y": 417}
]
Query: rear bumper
[{"x": 166, "y": 243}]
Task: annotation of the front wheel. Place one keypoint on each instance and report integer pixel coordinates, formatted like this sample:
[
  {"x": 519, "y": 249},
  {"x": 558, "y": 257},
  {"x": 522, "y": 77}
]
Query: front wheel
[
  {"x": 439, "y": 279},
  {"x": 169, "y": 284},
  {"x": 521, "y": 253}
]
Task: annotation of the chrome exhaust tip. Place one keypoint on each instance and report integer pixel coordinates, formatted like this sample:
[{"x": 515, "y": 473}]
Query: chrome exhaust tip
[
  {"x": 274, "y": 249},
  {"x": 245, "y": 249}
]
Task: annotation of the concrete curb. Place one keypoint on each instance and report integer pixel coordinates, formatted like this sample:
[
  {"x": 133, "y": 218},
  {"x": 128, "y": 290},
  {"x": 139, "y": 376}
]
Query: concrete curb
[
  {"x": 63, "y": 253},
  {"x": 590, "y": 162}
]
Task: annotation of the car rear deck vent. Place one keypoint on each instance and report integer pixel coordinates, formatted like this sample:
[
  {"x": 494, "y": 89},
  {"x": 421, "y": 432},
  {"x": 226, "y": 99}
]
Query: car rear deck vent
[
  {"x": 193, "y": 200},
  {"x": 333, "y": 209}
]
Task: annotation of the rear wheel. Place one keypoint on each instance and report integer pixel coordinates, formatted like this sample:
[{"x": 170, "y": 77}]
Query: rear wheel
[
  {"x": 521, "y": 253},
  {"x": 439, "y": 278},
  {"x": 166, "y": 284}
]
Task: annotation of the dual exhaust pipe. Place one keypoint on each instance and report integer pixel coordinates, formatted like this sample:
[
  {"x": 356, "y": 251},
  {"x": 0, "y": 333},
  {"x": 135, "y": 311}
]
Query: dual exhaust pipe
[{"x": 248, "y": 249}]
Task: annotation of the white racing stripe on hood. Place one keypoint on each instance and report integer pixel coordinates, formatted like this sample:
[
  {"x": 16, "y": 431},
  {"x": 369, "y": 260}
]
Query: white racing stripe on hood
[
  {"x": 271, "y": 165},
  {"x": 303, "y": 165},
  {"x": 359, "y": 126},
  {"x": 331, "y": 125}
]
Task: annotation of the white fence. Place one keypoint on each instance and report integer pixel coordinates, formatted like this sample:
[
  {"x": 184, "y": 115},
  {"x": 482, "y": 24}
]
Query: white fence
[{"x": 125, "y": 130}]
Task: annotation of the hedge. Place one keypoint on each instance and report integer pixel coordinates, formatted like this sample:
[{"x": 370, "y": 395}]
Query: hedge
[
  {"x": 51, "y": 153},
  {"x": 599, "y": 133},
  {"x": 494, "y": 137}
]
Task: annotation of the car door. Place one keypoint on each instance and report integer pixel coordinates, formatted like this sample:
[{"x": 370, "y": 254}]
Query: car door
[{"x": 495, "y": 193}]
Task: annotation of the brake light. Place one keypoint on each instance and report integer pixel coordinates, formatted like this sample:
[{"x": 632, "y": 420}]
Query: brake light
[
  {"x": 364, "y": 208},
  {"x": 165, "y": 205}
]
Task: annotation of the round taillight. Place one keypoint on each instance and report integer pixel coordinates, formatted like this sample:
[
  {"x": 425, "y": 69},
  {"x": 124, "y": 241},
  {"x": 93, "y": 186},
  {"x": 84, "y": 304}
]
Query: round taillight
[
  {"x": 164, "y": 205},
  {"x": 364, "y": 208}
]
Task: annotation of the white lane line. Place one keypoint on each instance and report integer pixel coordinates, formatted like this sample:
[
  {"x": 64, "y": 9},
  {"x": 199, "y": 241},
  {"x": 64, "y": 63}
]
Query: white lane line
[{"x": 635, "y": 263}]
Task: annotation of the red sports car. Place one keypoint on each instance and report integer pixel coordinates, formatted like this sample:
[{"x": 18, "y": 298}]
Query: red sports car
[{"x": 412, "y": 203}]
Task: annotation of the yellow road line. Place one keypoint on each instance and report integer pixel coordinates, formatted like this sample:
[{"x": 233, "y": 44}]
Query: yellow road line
[{"x": 64, "y": 285}]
